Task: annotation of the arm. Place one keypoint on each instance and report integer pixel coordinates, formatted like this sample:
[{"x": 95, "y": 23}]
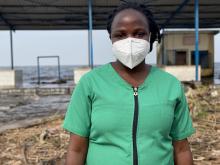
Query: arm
[
  {"x": 77, "y": 150},
  {"x": 182, "y": 153}
]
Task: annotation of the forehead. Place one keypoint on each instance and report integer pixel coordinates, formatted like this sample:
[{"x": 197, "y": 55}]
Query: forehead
[{"x": 129, "y": 16}]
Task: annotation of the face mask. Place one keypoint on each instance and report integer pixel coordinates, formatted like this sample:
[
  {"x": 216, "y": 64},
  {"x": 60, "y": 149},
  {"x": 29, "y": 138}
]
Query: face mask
[{"x": 131, "y": 51}]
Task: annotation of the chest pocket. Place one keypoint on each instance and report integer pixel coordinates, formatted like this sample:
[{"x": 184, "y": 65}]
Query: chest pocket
[{"x": 156, "y": 117}]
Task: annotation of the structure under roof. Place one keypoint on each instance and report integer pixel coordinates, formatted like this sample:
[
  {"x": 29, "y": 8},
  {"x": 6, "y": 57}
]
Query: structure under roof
[{"x": 73, "y": 14}]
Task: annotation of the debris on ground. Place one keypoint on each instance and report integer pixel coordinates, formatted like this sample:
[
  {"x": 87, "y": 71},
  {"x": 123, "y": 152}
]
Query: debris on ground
[{"x": 204, "y": 105}]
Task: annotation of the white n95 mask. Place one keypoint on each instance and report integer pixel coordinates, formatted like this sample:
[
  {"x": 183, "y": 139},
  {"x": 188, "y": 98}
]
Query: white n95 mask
[{"x": 131, "y": 51}]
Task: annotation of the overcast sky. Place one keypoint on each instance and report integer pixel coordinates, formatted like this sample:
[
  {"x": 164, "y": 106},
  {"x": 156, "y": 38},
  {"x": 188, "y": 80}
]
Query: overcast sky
[{"x": 71, "y": 46}]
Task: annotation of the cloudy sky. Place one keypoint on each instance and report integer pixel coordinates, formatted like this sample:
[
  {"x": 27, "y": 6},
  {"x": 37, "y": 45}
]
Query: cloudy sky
[{"x": 71, "y": 46}]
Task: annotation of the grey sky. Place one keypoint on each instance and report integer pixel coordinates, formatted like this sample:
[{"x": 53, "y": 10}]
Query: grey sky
[{"x": 71, "y": 46}]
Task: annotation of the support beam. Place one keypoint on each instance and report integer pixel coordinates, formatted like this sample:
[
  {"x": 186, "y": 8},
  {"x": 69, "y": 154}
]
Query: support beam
[
  {"x": 4, "y": 20},
  {"x": 90, "y": 43},
  {"x": 164, "y": 57},
  {"x": 10, "y": 26},
  {"x": 184, "y": 3},
  {"x": 12, "y": 50},
  {"x": 196, "y": 3}
]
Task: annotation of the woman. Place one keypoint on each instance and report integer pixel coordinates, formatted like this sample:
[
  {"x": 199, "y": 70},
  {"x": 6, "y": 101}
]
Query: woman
[{"x": 128, "y": 112}]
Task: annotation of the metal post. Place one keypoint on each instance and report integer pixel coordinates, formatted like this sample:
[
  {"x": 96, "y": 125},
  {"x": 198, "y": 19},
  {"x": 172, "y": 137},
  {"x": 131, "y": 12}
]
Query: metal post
[
  {"x": 38, "y": 66},
  {"x": 12, "y": 53},
  {"x": 38, "y": 70},
  {"x": 197, "y": 38},
  {"x": 164, "y": 58},
  {"x": 59, "y": 68},
  {"x": 90, "y": 34}
]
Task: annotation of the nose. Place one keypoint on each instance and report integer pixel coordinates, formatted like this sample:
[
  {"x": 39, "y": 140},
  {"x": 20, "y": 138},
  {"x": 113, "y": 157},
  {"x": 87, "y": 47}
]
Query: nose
[{"x": 130, "y": 35}]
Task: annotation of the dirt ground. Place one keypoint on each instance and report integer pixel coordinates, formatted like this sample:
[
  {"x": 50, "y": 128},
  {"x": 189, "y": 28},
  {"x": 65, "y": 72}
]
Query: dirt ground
[
  {"x": 204, "y": 104},
  {"x": 45, "y": 143}
]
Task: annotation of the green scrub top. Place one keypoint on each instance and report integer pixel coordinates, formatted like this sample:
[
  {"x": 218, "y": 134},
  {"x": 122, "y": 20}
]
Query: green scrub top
[{"x": 128, "y": 127}]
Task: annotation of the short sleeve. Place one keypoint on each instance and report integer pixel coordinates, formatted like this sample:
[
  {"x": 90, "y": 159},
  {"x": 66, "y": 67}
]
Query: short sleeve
[
  {"x": 182, "y": 126},
  {"x": 77, "y": 118}
]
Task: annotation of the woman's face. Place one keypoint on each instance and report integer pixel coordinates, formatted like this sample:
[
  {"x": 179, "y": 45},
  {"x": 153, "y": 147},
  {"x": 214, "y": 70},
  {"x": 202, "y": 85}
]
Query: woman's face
[{"x": 129, "y": 23}]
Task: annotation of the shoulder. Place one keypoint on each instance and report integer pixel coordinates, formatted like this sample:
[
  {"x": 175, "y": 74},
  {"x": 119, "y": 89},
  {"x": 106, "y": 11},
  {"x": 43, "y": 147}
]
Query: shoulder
[
  {"x": 166, "y": 84},
  {"x": 95, "y": 73},
  {"x": 165, "y": 80},
  {"x": 163, "y": 76}
]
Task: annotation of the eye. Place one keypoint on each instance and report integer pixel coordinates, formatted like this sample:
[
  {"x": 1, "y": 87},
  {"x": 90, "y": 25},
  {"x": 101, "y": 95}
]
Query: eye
[
  {"x": 140, "y": 34},
  {"x": 119, "y": 35}
]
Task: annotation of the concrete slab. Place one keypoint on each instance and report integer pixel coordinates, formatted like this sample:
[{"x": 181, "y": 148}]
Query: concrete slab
[
  {"x": 10, "y": 78},
  {"x": 79, "y": 72},
  {"x": 183, "y": 72}
]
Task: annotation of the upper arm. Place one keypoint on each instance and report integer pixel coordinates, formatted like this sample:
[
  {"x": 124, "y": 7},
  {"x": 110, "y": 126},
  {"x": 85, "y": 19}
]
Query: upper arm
[
  {"x": 182, "y": 153},
  {"x": 78, "y": 143},
  {"x": 181, "y": 146},
  {"x": 182, "y": 126},
  {"x": 77, "y": 150},
  {"x": 77, "y": 119}
]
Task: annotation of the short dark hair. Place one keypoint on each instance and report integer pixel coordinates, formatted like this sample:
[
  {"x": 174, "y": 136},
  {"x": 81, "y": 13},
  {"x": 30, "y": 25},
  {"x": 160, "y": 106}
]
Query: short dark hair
[{"x": 142, "y": 8}]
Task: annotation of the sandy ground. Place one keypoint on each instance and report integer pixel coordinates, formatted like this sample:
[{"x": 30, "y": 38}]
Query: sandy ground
[{"x": 45, "y": 142}]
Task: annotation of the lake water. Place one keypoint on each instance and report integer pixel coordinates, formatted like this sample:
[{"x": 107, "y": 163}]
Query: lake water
[{"x": 50, "y": 74}]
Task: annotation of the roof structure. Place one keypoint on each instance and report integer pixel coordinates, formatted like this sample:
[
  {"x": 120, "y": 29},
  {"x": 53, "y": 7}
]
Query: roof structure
[{"x": 73, "y": 14}]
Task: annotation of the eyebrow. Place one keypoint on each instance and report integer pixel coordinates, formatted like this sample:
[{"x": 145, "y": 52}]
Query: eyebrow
[{"x": 120, "y": 30}]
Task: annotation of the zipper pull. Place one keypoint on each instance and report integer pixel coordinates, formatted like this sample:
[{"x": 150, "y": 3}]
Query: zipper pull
[{"x": 135, "y": 91}]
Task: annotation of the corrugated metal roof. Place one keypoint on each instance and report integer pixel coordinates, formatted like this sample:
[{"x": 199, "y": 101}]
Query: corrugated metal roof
[{"x": 73, "y": 14}]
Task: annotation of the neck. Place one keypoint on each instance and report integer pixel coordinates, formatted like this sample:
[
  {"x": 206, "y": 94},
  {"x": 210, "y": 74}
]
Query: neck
[{"x": 139, "y": 68}]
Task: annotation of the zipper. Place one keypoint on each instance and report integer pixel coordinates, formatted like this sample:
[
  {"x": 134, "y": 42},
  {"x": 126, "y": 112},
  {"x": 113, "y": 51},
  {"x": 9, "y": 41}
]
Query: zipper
[{"x": 134, "y": 127}]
